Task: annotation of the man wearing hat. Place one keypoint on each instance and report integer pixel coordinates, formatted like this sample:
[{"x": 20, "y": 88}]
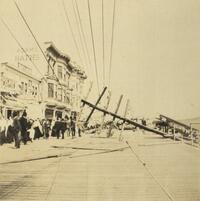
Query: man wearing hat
[
  {"x": 24, "y": 126},
  {"x": 16, "y": 129}
]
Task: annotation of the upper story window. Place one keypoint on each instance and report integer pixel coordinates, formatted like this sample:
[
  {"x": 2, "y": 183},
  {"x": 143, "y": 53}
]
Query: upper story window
[
  {"x": 36, "y": 89},
  {"x": 56, "y": 90},
  {"x": 50, "y": 71},
  {"x": 67, "y": 98},
  {"x": 29, "y": 83},
  {"x": 59, "y": 97},
  {"x": 50, "y": 90},
  {"x": 22, "y": 86},
  {"x": 26, "y": 88},
  {"x": 59, "y": 72},
  {"x": 33, "y": 90},
  {"x": 51, "y": 64}
]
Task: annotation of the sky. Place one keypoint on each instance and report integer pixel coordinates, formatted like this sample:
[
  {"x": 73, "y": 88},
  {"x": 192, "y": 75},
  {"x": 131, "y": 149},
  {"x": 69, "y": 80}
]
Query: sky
[{"x": 156, "y": 47}]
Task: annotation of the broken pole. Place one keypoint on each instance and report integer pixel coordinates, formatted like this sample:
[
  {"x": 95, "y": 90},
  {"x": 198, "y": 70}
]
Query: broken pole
[
  {"x": 92, "y": 111},
  {"x": 106, "y": 108},
  {"x": 116, "y": 111},
  {"x": 118, "y": 105},
  {"x": 88, "y": 93},
  {"x": 125, "y": 113},
  {"x": 86, "y": 97}
]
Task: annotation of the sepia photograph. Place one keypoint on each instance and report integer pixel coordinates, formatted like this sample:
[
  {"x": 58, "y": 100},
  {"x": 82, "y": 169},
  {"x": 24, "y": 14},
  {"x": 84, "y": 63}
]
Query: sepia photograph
[{"x": 100, "y": 100}]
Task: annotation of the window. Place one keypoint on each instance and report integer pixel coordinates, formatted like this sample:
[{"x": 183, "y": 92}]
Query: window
[
  {"x": 48, "y": 113},
  {"x": 59, "y": 94},
  {"x": 29, "y": 83},
  {"x": 36, "y": 91},
  {"x": 59, "y": 72},
  {"x": 50, "y": 90},
  {"x": 33, "y": 90},
  {"x": 26, "y": 88},
  {"x": 22, "y": 86},
  {"x": 67, "y": 79},
  {"x": 48, "y": 68},
  {"x": 50, "y": 71},
  {"x": 66, "y": 98},
  {"x": 58, "y": 114},
  {"x": 56, "y": 89}
]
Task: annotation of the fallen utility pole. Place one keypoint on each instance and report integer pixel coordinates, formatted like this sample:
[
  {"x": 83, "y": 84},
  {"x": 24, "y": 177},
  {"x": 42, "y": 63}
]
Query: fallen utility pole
[
  {"x": 93, "y": 109},
  {"x": 125, "y": 119}
]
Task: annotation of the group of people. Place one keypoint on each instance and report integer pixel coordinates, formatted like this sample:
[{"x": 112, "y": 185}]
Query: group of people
[{"x": 21, "y": 129}]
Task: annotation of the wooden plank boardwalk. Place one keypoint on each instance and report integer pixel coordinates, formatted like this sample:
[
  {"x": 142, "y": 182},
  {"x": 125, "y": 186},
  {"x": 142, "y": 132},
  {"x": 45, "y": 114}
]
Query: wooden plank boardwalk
[{"x": 171, "y": 171}]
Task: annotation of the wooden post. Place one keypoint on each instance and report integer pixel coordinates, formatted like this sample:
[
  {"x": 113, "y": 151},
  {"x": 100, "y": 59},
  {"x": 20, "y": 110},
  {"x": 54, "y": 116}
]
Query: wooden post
[
  {"x": 90, "y": 88},
  {"x": 86, "y": 97},
  {"x": 118, "y": 105},
  {"x": 106, "y": 108},
  {"x": 78, "y": 123},
  {"x": 92, "y": 111},
  {"x": 125, "y": 113}
]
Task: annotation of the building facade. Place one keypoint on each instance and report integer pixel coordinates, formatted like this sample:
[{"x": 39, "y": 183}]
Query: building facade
[
  {"x": 56, "y": 94},
  {"x": 18, "y": 88}
]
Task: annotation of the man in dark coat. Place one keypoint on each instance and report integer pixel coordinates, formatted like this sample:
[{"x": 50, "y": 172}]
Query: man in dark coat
[
  {"x": 16, "y": 129},
  {"x": 24, "y": 125},
  {"x": 46, "y": 128},
  {"x": 63, "y": 127},
  {"x": 58, "y": 127},
  {"x": 73, "y": 126}
]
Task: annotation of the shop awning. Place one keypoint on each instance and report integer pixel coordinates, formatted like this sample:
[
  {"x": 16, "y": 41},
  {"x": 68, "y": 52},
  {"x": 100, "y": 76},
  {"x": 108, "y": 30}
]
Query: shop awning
[
  {"x": 11, "y": 103},
  {"x": 57, "y": 105}
]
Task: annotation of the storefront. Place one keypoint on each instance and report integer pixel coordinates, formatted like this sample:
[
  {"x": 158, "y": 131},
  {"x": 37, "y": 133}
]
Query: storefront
[
  {"x": 49, "y": 113},
  {"x": 9, "y": 104},
  {"x": 55, "y": 109}
]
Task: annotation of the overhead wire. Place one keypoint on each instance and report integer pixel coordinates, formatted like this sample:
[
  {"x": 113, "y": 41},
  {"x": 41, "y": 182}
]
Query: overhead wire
[
  {"x": 48, "y": 63},
  {"x": 103, "y": 41},
  {"x": 72, "y": 32},
  {"x": 150, "y": 173},
  {"x": 79, "y": 31},
  {"x": 83, "y": 34},
  {"x": 21, "y": 47},
  {"x": 36, "y": 41},
  {"x": 112, "y": 39},
  {"x": 93, "y": 46}
]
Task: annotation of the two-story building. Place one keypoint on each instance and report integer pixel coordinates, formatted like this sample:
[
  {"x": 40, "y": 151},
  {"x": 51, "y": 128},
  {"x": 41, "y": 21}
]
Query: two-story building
[{"x": 18, "y": 88}]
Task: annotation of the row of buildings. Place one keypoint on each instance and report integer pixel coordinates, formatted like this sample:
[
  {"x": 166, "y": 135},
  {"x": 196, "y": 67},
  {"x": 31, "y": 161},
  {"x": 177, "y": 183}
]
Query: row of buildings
[{"x": 56, "y": 93}]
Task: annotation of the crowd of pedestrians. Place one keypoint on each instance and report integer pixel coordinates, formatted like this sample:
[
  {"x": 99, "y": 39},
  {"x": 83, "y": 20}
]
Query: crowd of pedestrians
[{"x": 21, "y": 129}]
